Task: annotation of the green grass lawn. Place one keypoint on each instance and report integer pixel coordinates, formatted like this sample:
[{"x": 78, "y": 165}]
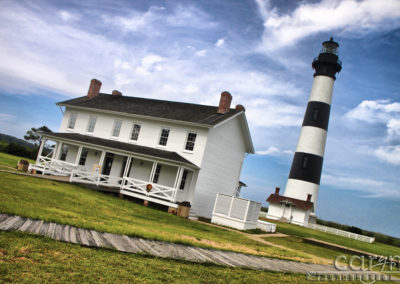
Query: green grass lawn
[
  {"x": 75, "y": 205},
  {"x": 376, "y": 248},
  {"x": 28, "y": 258},
  {"x": 11, "y": 160}
]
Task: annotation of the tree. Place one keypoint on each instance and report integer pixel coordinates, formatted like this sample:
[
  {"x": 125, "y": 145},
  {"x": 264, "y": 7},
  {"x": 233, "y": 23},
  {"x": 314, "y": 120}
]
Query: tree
[{"x": 33, "y": 134}]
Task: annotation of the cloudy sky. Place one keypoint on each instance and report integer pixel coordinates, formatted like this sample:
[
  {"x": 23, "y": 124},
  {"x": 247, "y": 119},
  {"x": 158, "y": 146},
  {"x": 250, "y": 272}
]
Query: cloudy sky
[{"x": 258, "y": 50}]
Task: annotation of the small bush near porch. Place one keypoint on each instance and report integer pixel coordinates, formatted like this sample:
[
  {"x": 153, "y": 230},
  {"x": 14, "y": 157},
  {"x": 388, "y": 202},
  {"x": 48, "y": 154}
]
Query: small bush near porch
[{"x": 74, "y": 205}]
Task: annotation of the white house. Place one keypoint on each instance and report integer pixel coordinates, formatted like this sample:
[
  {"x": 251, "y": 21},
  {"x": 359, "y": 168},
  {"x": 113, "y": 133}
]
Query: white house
[{"x": 160, "y": 151}]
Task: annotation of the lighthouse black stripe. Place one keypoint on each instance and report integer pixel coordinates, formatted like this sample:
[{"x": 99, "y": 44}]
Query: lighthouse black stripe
[
  {"x": 317, "y": 115},
  {"x": 306, "y": 167}
]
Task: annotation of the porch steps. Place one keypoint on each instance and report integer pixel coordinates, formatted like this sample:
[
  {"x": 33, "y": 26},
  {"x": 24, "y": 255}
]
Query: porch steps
[{"x": 91, "y": 238}]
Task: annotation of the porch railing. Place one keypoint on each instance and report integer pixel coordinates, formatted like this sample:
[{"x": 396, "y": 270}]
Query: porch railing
[
  {"x": 53, "y": 166},
  {"x": 93, "y": 178},
  {"x": 156, "y": 190}
]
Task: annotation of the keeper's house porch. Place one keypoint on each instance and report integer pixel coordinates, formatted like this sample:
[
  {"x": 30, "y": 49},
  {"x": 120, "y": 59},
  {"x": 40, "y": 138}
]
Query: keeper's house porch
[{"x": 146, "y": 173}]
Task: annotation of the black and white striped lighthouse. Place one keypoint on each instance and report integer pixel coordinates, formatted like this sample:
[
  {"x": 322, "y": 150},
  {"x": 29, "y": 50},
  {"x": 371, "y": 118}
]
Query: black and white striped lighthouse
[{"x": 305, "y": 173}]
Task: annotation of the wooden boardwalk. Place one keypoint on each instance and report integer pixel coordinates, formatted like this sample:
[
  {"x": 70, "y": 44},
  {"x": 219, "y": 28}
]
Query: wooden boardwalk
[{"x": 128, "y": 244}]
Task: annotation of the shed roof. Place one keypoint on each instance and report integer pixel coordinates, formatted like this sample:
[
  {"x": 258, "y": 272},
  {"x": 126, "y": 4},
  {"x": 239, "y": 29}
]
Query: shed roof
[
  {"x": 122, "y": 146},
  {"x": 298, "y": 203}
]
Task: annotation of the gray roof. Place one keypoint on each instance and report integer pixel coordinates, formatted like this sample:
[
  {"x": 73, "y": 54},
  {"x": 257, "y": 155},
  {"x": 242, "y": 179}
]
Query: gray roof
[
  {"x": 185, "y": 112},
  {"x": 122, "y": 146}
]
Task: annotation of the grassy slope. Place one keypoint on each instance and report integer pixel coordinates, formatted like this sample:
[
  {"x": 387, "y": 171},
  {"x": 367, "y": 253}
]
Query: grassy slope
[
  {"x": 11, "y": 160},
  {"x": 27, "y": 258},
  {"x": 377, "y": 248},
  {"x": 71, "y": 204}
]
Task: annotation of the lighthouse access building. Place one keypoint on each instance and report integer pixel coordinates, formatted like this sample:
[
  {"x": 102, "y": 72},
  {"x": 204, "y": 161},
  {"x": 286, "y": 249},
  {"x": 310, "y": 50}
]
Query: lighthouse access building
[{"x": 297, "y": 204}]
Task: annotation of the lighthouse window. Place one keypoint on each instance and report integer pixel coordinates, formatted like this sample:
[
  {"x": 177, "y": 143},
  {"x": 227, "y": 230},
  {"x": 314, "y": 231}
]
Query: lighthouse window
[
  {"x": 304, "y": 162},
  {"x": 315, "y": 114}
]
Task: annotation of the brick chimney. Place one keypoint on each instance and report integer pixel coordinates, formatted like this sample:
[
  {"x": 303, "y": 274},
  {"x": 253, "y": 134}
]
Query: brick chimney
[
  {"x": 309, "y": 197},
  {"x": 240, "y": 107},
  {"x": 277, "y": 190},
  {"x": 224, "y": 103},
  {"x": 94, "y": 88},
  {"x": 116, "y": 93}
]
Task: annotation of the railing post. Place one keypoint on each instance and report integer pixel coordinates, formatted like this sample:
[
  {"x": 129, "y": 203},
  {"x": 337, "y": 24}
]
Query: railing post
[
  {"x": 215, "y": 204},
  {"x": 230, "y": 207}
]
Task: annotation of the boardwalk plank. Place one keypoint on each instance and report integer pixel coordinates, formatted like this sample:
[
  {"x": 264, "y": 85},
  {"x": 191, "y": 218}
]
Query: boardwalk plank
[
  {"x": 37, "y": 227},
  {"x": 3, "y": 217},
  {"x": 72, "y": 235},
  {"x": 83, "y": 237},
  {"x": 8, "y": 222},
  {"x": 201, "y": 255},
  {"x": 148, "y": 247},
  {"x": 51, "y": 230},
  {"x": 133, "y": 247},
  {"x": 97, "y": 239},
  {"x": 20, "y": 221},
  {"x": 58, "y": 232},
  {"x": 65, "y": 233},
  {"x": 25, "y": 226}
]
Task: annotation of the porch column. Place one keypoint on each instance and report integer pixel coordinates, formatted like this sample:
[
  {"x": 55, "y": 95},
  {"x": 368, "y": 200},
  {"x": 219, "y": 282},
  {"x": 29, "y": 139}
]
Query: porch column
[
  {"x": 178, "y": 177},
  {"x": 103, "y": 155},
  {"x": 55, "y": 149},
  {"x": 78, "y": 155},
  {"x": 153, "y": 170},
  {"x": 60, "y": 145},
  {"x": 128, "y": 163},
  {"x": 40, "y": 149}
]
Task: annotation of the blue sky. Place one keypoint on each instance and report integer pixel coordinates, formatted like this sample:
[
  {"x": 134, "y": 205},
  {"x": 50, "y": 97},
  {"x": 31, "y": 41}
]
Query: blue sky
[{"x": 260, "y": 51}]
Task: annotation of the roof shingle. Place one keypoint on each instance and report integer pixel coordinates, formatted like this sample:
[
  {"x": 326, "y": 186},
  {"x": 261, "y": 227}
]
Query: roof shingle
[
  {"x": 301, "y": 204},
  {"x": 186, "y": 112}
]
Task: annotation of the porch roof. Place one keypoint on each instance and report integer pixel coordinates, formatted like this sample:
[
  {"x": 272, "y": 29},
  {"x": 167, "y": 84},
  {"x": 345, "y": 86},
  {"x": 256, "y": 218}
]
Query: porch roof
[{"x": 122, "y": 146}]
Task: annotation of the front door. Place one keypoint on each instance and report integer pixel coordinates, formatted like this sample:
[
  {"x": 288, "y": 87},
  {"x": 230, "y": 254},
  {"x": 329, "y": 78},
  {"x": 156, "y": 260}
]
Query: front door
[{"x": 108, "y": 164}]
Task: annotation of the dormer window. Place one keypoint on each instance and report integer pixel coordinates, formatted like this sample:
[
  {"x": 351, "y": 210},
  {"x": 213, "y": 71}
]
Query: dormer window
[
  {"x": 116, "y": 128},
  {"x": 164, "y": 137},
  {"x": 91, "y": 124},
  {"x": 190, "y": 140},
  {"x": 72, "y": 120},
  {"x": 135, "y": 131}
]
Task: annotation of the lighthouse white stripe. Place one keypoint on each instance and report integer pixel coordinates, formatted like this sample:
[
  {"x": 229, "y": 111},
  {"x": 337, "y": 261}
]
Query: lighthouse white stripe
[
  {"x": 312, "y": 140},
  {"x": 322, "y": 89},
  {"x": 299, "y": 189}
]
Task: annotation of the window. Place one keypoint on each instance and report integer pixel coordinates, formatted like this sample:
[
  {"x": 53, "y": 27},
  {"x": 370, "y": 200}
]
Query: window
[
  {"x": 183, "y": 180},
  {"x": 91, "y": 124},
  {"x": 72, "y": 119},
  {"x": 135, "y": 132},
  {"x": 315, "y": 114},
  {"x": 157, "y": 174},
  {"x": 191, "y": 139},
  {"x": 164, "y": 137},
  {"x": 116, "y": 128},
  {"x": 64, "y": 153},
  {"x": 304, "y": 162},
  {"x": 82, "y": 159}
]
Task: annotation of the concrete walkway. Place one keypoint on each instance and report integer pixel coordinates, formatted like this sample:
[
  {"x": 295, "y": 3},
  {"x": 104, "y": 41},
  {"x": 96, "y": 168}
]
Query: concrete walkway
[{"x": 124, "y": 243}]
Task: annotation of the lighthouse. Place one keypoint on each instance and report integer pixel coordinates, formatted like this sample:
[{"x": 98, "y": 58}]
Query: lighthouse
[{"x": 298, "y": 202}]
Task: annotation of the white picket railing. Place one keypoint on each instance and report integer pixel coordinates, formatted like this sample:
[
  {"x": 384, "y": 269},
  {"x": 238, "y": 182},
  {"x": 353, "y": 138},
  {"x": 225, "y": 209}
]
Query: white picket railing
[
  {"x": 158, "y": 191},
  {"x": 53, "y": 166},
  {"x": 94, "y": 178},
  {"x": 340, "y": 233}
]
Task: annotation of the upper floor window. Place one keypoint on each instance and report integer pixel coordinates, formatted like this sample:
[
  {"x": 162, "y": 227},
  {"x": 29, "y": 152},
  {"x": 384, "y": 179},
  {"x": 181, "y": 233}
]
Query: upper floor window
[
  {"x": 190, "y": 140},
  {"x": 116, "y": 128},
  {"x": 91, "y": 124},
  {"x": 72, "y": 120},
  {"x": 135, "y": 131},
  {"x": 164, "y": 137}
]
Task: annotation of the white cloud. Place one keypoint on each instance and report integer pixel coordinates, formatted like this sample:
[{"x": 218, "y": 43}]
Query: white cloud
[
  {"x": 220, "y": 42},
  {"x": 273, "y": 151},
  {"x": 390, "y": 154},
  {"x": 393, "y": 131},
  {"x": 371, "y": 187},
  {"x": 374, "y": 111},
  {"x": 201, "y": 53},
  {"x": 337, "y": 16},
  {"x": 67, "y": 16}
]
